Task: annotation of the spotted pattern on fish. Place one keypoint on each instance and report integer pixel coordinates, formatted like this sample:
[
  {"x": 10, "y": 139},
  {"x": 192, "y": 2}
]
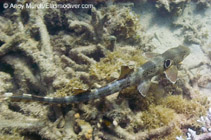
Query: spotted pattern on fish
[{"x": 145, "y": 72}]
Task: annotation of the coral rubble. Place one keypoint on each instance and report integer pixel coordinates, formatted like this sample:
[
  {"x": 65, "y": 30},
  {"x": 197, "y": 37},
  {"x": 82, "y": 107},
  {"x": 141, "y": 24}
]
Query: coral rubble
[
  {"x": 175, "y": 7},
  {"x": 205, "y": 123},
  {"x": 63, "y": 52}
]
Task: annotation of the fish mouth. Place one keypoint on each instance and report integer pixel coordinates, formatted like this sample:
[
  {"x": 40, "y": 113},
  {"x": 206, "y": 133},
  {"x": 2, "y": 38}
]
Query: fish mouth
[{"x": 187, "y": 52}]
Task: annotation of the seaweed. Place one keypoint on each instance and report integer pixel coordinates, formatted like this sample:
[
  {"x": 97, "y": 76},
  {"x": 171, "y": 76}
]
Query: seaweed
[
  {"x": 86, "y": 51},
  {"x": 157, "y": 116},
  {"x": 109, "y": 67},
  {"x": 183, "y": 106}
]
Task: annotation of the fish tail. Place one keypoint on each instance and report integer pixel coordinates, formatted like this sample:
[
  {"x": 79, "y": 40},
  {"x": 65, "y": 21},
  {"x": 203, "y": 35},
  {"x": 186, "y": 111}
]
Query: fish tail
[{"x": 97, "y": 93}]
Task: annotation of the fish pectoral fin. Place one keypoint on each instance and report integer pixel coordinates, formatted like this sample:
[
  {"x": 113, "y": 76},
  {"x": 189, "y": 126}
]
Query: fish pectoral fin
[
  {"x": 171, "y": 74},
  {"x": 143, "y": 87},
  {"x": 125, "y": 71}
]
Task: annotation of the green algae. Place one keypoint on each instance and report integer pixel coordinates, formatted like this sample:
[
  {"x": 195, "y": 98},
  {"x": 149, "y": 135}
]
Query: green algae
[
  {"x": 183, "y": 106},
  {"x": 157, "y": 116},
  {"x": 176, "y": 132},
  {"x": 75, "y": 86},
  {"x": 109, "y": 67},
  {"x": 10, "y": 137},
  {"x": 171, "y": 109}
]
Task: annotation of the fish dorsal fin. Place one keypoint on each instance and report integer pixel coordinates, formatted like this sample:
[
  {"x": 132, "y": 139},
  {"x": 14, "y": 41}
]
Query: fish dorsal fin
[
  {"x": 76, "y": 91},
  {"x": 143, "y": 87},
  {"x": 150, "y": 55},
  {"x": 125, "y": 71},
  {"x": 171, "y": 74}
]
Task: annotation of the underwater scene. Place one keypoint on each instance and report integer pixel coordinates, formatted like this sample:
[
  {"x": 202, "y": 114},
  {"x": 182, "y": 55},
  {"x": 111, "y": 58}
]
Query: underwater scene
[{"x": 105, "y": 70}]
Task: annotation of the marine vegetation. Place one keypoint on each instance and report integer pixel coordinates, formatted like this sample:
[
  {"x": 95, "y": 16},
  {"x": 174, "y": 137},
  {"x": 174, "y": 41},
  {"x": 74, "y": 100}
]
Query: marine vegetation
[{"x": 65, "y": 52}]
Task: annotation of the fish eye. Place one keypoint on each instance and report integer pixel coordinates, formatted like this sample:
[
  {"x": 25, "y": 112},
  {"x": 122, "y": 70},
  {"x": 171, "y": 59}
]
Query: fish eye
[{"x": 167, "y": 63}]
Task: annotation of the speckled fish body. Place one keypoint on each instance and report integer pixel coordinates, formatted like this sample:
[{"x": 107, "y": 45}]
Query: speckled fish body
[{"x": 148, "y": 70}]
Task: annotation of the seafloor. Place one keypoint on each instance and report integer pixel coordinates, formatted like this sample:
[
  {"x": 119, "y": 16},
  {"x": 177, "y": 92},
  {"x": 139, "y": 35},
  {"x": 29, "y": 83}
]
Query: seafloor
[{"x": 56, "y": 51}]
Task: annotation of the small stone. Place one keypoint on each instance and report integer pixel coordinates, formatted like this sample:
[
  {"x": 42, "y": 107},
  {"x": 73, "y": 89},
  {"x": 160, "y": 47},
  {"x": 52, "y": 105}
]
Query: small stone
[
  {"x": 98, "y": 125},
  {"x": 115, "y": 123},
  {"x": 77, "y": 115}
]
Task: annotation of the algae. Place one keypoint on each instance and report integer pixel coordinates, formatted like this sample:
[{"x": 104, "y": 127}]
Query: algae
[
  {"x": 157, "y": 116},
  {"x": 9, "y": 137},
  {"x": 183, "y": 106},
  {"x": 86, "y": 51},
  {"x": 75, "y": 86},
  {"x": 109, "y": 67}
]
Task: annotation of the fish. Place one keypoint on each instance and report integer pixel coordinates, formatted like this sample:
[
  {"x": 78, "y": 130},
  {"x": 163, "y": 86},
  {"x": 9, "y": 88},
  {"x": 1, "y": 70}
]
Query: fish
[{"x": 166, "y": 62}]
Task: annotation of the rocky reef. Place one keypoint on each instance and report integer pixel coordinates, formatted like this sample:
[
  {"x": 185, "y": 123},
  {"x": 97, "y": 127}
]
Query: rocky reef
[
  {"x": 55, "y": 52},
  {"x": 205, "y": 123},
  {"x": 176, "y": 7}
]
